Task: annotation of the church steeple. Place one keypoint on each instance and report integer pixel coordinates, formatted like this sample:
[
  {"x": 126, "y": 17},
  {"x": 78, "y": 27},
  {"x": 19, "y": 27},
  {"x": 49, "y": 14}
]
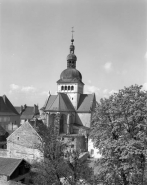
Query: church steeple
[{"x": 71, "y": 58}]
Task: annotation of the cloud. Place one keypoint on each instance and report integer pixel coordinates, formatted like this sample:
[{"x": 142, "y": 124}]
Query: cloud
[
  {"x": 144, "y": 87},
  {"x": 25, "y": 89},
  {"x": 105, "y": 91},
  {"x": 91, "y": 89},
  {"x": 108, "y": 66},
  {"x": 28, "y": 89},
  {"x": 14, "y": 87},
  {"x": 112, "y": 92}
]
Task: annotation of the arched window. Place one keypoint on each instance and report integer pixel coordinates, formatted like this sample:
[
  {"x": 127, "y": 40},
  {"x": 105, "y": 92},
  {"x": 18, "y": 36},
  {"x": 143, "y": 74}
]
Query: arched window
[
  {"x": 65, "y": 87},
  {"x": 68, "y": 87},
  {"x": 72, "y": 87},
  {"x": 62, "y": 88}
]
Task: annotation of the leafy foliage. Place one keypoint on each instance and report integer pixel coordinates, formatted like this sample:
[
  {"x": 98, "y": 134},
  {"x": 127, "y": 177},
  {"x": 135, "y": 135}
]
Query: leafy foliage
[
  {"x": 54, "y": 166},
  {"x": 119, "y": 131}
]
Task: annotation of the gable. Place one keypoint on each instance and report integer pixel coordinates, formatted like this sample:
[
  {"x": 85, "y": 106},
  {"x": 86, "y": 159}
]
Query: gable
[{"x": 25, "y": 135}]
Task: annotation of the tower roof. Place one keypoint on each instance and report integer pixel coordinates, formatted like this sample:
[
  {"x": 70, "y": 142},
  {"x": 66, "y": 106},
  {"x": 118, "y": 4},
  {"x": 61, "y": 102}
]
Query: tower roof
[{"x": 71, "y": 74}]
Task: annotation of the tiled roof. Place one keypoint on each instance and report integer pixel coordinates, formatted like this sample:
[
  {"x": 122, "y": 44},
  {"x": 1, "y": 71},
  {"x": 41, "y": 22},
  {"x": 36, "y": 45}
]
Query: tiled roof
[
  {"x": 28, "y": 112},
  {"x": 49, "y": 101},
  {"x": 6, "y": 107},
  {"x": 8, "y": 165},
  {"x": 86, "y": 102},
  {"x": 59, "y": 103}
]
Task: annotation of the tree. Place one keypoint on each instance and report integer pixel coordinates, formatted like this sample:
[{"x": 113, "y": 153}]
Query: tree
[
  {"x": 54, "y": 166},
  {"x": 119, "y": 131}
]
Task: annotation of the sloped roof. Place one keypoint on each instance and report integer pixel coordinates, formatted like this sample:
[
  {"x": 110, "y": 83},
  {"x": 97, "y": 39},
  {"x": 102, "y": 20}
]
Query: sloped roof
[
  {"x": 6, "y": 107},
  {"x": 86, "y": 102},
  {"x": 27, "y": 113},
  {"x": 59, "y": 103},
  {"x": 18, "y": 109},
  {"x": 8, "y": 165},
  {"x": 49, "y": 101}
]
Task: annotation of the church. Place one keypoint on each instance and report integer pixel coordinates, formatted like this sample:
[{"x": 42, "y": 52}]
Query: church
[{"x": 75, "y": 107}]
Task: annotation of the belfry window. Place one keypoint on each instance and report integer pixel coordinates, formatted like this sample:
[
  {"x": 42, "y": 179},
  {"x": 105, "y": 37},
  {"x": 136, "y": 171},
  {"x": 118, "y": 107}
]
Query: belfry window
[
  {"x": 68, "y": 87},
  {"x": 72, "y": 87},
  {"x": 62, "y": 88},
  {"x": 65, "y": 87}
]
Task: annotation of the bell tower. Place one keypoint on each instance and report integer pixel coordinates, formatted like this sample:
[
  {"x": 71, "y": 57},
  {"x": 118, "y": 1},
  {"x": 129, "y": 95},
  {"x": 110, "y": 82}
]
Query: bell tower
[{"x": 71, "y": 79}]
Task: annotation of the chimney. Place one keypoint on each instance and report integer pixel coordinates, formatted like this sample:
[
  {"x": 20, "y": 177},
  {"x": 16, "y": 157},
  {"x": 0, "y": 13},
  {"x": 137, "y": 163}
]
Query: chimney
[
  {"x": 25, "y": 106},
  {"x": 36, "y": 111},
  {"x": 21, "y": 109}
]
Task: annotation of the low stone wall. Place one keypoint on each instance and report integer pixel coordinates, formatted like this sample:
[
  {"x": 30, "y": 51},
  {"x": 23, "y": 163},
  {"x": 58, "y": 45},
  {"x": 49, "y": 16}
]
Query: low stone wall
[{"x": 4, "y": 153}]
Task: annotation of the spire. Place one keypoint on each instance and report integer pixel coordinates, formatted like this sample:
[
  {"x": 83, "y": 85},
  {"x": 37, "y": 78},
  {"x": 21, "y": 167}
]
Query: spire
[
  {"x": 71, "y": 58},
  {"x": 72, "y": 40},
  {"x": 72, "y": 47}
]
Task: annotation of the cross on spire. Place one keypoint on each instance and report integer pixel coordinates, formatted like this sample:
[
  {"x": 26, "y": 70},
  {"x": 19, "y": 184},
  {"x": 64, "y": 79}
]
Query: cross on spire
[
  {"x": 72, "y": 40},
  {"x": 72, "y": 32}
]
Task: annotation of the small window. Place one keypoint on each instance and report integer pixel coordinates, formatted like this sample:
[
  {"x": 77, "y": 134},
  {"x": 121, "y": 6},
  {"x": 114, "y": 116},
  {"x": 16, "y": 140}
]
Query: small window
[
  {"x": 17, "y": 138},
  {"x": 62, "y": 88},
  {"x": 65, "y": 87},
  {"x": 68, "y": 87},
  {"x": 72, "y": 87}
]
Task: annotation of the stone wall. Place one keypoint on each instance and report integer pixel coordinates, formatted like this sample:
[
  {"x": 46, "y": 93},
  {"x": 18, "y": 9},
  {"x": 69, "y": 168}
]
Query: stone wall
[
  {"x": 24, "y": 143},
  {"x": 4, "y": 153}
]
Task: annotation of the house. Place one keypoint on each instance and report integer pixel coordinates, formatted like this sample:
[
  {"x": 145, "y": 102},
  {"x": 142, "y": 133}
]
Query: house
[
  {"x": 3, "y": 135},
  {"x": 9, "y": 117},
  {"x": 27, "y": 113},
  {"x": 14, "y": 170},
  {"x": 75, "y": 107},
  {"x": 24, "y": 143}
]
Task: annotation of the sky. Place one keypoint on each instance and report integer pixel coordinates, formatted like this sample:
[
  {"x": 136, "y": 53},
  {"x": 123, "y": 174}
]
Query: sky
[{"x": 110, "y": 41}]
